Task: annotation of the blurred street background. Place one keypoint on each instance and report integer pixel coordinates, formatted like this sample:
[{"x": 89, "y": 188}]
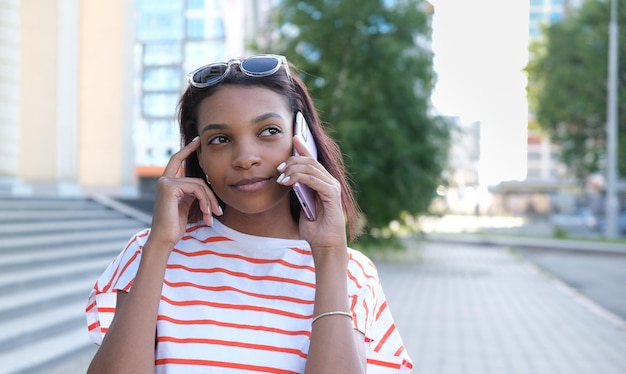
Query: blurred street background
[{"x": 487, "y": 137}]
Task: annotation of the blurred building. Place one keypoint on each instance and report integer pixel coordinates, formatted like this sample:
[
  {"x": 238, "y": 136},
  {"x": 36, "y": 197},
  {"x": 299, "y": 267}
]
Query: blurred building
[
  {"x": 464, "y": 193},
  {"x": 548, "y": 186},
  {"x": 89, "y": 88}
]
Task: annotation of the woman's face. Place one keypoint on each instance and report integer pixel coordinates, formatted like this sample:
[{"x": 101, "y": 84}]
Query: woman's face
[{"x": 245, "y": 133}]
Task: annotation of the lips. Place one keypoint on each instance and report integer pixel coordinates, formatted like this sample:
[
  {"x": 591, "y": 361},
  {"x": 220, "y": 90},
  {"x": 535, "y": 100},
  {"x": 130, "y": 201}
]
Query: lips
[{"x": 251, "y": 185}]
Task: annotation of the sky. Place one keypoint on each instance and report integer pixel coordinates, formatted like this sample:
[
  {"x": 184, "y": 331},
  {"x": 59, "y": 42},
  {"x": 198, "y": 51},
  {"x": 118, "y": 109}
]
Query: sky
[{"x": 480, "y": 50}]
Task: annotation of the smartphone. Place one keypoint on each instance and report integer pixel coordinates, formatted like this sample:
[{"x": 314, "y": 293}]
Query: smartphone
[{"x": 305, "y": 194}]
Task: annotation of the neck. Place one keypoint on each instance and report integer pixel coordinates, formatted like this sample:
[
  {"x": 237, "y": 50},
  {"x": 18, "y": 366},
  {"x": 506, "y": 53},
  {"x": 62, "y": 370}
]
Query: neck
[{"x": 270, "y": 224}]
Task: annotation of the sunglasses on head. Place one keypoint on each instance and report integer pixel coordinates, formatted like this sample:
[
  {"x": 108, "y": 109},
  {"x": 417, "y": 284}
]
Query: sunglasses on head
[{"x": 254, "y": 66}]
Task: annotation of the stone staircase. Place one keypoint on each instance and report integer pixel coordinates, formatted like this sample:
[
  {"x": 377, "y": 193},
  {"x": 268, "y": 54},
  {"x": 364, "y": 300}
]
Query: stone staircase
[{"x": 52, "y": 250}]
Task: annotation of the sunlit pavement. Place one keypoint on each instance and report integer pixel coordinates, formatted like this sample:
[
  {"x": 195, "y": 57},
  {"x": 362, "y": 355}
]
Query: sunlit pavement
[
  {"x": 464, "y": 308},
  {"x": 473, "y": 224}
]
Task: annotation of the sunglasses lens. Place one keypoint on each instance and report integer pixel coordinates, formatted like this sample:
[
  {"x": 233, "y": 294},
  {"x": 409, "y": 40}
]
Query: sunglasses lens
[
  {"x": 260, "y": 65},
  {"x": 209, "y": 74}
]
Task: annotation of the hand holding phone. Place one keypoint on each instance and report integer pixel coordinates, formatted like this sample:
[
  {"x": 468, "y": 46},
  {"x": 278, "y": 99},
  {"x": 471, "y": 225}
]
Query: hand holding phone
[{"x": 305, "y": 194}]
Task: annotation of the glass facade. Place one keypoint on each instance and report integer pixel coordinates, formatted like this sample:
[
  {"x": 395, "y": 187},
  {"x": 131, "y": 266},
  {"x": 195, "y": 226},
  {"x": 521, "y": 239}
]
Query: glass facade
[
  {"x": 544, "y": 12},
  {"x": 172, "y": 38}
]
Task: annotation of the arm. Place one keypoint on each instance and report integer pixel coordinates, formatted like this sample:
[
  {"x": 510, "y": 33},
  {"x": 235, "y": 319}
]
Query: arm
[
  {"x": 128, "y": 346},
  {"x": 335, "y": 346}
]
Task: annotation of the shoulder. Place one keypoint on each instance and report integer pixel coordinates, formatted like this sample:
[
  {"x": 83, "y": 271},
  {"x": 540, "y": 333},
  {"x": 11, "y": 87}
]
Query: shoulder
[
  {"x": 359, "y": 259},
  {"x": 361, "y": 270}
]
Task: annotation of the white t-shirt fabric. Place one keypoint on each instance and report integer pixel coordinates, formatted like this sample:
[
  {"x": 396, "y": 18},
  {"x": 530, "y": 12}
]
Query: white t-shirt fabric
[{"x": 234, "y": 303}]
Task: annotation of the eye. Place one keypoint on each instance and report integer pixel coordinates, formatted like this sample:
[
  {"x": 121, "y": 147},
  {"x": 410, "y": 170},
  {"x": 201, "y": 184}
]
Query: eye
[
  {"x": 270, "y": 131},
  {"x": 219, "y": 139}
]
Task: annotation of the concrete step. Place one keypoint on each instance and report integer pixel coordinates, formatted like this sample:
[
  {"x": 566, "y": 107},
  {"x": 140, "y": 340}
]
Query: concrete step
[
  {"x": 59, "y": 238},
  {"x": 40, "y": 256},
  {"x": 36, "y": 356},
  {"x": 48, "y": 215},
  {"x": 21, "y": 228},
  {"x": 40, "y": 204},
  {"x": 52, "y": 251}
]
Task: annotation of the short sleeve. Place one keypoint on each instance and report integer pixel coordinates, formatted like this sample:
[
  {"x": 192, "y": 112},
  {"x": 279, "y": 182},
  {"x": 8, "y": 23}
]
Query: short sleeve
[
  {"x": 119, "y": 275},
  {"x": 384, "y": 347}
]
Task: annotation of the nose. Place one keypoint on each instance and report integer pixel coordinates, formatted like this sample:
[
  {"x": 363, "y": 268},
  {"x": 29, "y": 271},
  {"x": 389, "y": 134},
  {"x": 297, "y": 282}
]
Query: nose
[{"x": 246, "y": 156}]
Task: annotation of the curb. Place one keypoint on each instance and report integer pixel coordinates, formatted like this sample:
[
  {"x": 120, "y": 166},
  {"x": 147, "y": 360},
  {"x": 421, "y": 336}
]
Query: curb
[{"x": 526, "y": 242}]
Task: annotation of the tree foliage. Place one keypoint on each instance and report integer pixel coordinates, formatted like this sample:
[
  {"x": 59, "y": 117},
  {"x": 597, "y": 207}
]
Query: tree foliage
[
  {"x": 368, "y": 66},
  {"x": 567, "y": 85}
]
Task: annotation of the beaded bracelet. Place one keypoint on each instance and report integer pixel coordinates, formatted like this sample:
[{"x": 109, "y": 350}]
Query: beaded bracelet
[{"x": 331, "y": 314}]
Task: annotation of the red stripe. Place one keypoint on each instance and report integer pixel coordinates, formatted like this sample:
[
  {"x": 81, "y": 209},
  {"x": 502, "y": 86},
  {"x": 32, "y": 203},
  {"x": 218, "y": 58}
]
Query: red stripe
[
  {"x": 399, "y": 351},
  {"x": 106, "y": 310},
  {"x": 253, "y": 368},
  {"x": 233, "y": 289},
  {"x": 128, "y": 286},
  {"x": 236, "y": 307},
  {"x": 241, "y": 275},
  {"x": 93, "y": 326},
  {"x": 383, "y": 340},
  {"x": 244, "y": 258},
  {"x": 365, "y": 273},
  {"x": 210, "y": 239},
  {"x": 393, "y": 365},
  {"x": 408, "y": 364},
  {"x": 301, "y": 251},
  {"x": 228, "y": 343},
  {"x": 233, "y": 325},
  {"x": 114, "y": 277},
  {"x": 352, "y": 308},
  {"x": 380, "y": 311},
  {"x": 194, "y": 228}
]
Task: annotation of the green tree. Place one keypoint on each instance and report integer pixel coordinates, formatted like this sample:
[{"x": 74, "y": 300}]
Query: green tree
[
  {"x": 368, "y": 66},
  {"x": 567, "y": 85}
]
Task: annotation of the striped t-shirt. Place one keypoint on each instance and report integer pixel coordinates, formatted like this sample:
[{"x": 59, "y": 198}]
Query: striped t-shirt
[{"x": 233, "y": 302}]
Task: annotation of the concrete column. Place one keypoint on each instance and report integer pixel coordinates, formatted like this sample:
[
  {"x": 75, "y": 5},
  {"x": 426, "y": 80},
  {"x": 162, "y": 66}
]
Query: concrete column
[
  {"x": 67, "y": 96},
  {"x": 9, "y": 93},
  {"x": 38, "y": 79},
  {"x": 105, "y": 158}
]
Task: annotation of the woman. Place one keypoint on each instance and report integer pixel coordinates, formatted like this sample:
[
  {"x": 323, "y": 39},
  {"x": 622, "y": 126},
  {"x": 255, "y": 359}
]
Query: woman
[{"x": 231, "y": 277}]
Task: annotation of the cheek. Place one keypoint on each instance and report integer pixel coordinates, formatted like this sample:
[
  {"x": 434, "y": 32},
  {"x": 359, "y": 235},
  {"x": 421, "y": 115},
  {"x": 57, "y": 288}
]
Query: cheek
[{"x": 283, "y": 150}]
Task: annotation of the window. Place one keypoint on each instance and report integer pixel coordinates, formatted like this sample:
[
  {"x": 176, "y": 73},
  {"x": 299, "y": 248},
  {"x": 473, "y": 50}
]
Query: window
[
  {"x": 200, "y": 53},
  {"x": 195, "y": 4},
  {"x": 195, "y": 28},
  {"x": 161, "y": 79},
  {"x": 159, "y": 104},
  {"x": 163, "y": 130},
  {"x": 162, "y": 53}
]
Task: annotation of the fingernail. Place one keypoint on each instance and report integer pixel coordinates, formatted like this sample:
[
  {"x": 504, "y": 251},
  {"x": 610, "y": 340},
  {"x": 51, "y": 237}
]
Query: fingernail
[
  {"x": 194, "y": 139},
  {"x": 281, "y": 167},
  {"x": 280, "y": 178},
  {"x": 219, "y": 207}
]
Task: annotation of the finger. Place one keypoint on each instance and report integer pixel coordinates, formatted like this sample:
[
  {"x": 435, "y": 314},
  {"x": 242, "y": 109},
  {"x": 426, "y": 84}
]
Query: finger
[
  {"x": 177, "y": 158},
  {"x": 303, "y": 167},
  {"x": 209, "y": 204},
  {"x": 325, "y": 185},
  {"x": 300, "y": 146}
]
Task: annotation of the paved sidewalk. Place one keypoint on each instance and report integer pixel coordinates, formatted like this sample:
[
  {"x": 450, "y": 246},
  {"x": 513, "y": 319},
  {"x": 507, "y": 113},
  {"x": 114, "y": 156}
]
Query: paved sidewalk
[{"x": 483, "y": 309}]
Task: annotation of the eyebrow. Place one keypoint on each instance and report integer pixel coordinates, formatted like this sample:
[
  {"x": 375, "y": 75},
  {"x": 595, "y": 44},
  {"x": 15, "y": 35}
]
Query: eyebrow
[
  {"x": 265, "y": 116},
  {"x": 255, "y": 120},
  {"x": 213, "y": 126}
]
